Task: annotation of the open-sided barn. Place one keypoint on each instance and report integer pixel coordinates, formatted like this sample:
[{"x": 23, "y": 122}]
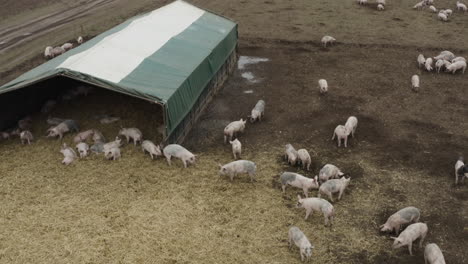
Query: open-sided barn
[{"x": 176, "y": 56}]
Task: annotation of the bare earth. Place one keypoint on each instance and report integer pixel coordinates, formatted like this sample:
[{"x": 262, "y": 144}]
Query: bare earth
[{"x": 140, "y": 211}]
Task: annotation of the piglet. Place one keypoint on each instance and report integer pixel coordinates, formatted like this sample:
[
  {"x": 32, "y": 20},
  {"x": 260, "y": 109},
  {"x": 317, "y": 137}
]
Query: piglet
[
  {"x": 113, "y": 144},
  {"x": 304, "y": 157},
  {"x": 333, "y": 186},
  {"x": 341, "y": 133},
  {"x": 404, "y": 216},
  {"x": 233, "y": 128},
  {"x": 62, "y": 128},
  {"x": 319, "y": 205},
  {"x": 299, "y": 181},
  {"x": 83, "y": 149},
  {"x": 291, "y": 154},
  {"x": 26, "y": 136},
  {"x": 300, "y": 240},
  {"x": 97, "y": 147},
  {"x": 329, "y": 171},
  {"x": 175, "y": 150},
  {"x": 151, "y": 148},
  {"x": 461, "y": 170},
  {"x": 83, "y": 136},
  {"x": 112, "y": 153},
  {"x": 234, "y": 168},
  {"x": 236, "y": 148},
  {"x": 98, "y": 137},
  {"x": 68, "y": 154},
  {"x": 409, "y": 235},
  {"x": 258, "y": 111},
  {"x": 131, "y": 133},
  {"x": 351, "y": 125},
  {"x": 433, "y": 254}
]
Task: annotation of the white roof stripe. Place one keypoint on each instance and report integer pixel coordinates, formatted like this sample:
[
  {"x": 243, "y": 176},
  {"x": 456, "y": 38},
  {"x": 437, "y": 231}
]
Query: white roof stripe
[{"x": 118, "y": 54}]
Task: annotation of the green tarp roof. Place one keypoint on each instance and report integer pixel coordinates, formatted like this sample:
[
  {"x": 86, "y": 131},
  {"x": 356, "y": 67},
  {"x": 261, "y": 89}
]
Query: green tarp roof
[{"x": 167, "y": 56}]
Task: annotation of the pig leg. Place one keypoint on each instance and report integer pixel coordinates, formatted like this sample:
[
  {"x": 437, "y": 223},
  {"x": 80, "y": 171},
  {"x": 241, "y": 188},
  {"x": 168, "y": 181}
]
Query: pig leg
[
  {"x": 302, "y": 255},
  {"x": 346, "y": 142},
  {"x": 184, "y": 162},
  {"x": 326, "y": 219},
  {"x": 231, "y": 176},
  {"x": 330, "y": 195},
  {"x": 308, "y": 212},
  {"x": 423, "y": 236},
  {"x": 60, "y": 135},
  {"x": 284, "y": 188},
  {"x": 308, "y": 166},
  {"x": 234, "y": 153},
  {"x": 397, "y": 229},
  {"x": 252, "y": 176},
  {"x": 305, "y": 192},
  {"x": 410, "y": 245},
  {"x": 341, "y": 193},
  {"x": 339, "y": 141},
  {"x": 168, "y": 158}
]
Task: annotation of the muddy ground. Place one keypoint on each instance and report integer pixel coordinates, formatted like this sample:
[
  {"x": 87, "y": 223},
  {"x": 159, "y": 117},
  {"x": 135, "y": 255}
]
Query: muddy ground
[{"x": 138, "y": 211}]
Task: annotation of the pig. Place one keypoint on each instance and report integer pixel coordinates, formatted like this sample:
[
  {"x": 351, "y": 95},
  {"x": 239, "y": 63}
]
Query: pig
[
  {"x": 233, "y": 128},
  {"x": 98, "y": 147},
  {"x": 83, "y": 149},
  {"x": 341, "y": 132},
  {"x": 409, "y": 235},
  {"x": 404, "y": 216},
  {"x": 351, "y": 125},
  {"x": 151, "y": 148},
  {"x": 131, "y": 133},
  {"x": 300, "y": 240},
  {"x": 421, "y": 60},
  {"x": 67, "y": 46},
  {"x": 461, "y": 170},
  {"x": 238, "y": 167},
  {"x": 113, "y": 144},
  {"x": 291, "y": 154},
  {"x": 83, "y": 136},
  {"x": 109, "y": 120},
  {"x": 25, "y": 123},
  {"x": 433, "y": 254},
  {"x": 236, "y": 148},
  {"x": 26, "y": 136},
  {"x": 62, "y": 128},
  {"x": 323, "y": 86},
  {"x": 304, "y": 157},
  {"x": 175, "y": 150},
  {"x": 334, "y": 186},
  {"x": 299, "y": 181},
  {"x": 329, "y": 171},
  {"x": 112, "y": 153},
  {"x": 48, "y": 106},
  {"x": 415, "y": 83},
  {"x": 54, "y": 120},
  {"x": 257, "y": 112},
  {"x": 4, "y": 135},
  {"x": 458, "y": 65},
  {"x": 68, "y": 154},
  {"x": 98, "y": 137},
  {"x": 319, "y": 205},
  {"x": 428, "y": 64}
]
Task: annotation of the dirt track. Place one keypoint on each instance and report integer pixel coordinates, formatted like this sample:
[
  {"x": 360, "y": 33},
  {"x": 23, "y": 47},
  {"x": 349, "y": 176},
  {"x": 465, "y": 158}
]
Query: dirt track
[{"x": 403, "y": 154}]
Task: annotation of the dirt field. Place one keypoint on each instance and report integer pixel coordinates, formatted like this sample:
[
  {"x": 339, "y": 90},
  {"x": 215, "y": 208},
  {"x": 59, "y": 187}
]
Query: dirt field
[{"x": 140, "y": 211}]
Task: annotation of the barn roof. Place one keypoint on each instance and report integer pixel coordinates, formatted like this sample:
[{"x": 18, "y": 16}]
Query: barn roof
[{"x": 166, "y": 56}]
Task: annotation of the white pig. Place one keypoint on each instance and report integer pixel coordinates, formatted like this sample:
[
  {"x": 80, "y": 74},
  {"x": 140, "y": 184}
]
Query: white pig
[
  {"x": 404, "y": 216},
  {"x": 234, "y": 168},
  {"x": 433, "y": 254},
  {"x": 319, "y": 205},
  {"x": 291, "y": 154},
  {"x": 351, "y": 124},
  {"x": 62, "y": 128},
  {"x": 69, "y": 154},
  {"x": 409, "y": 235},
  {"x": 299, "y": 181},
  {"x": 341, "y": 133},
  {"x": 428, "y": 64},
  {"x": 131, "y": 133},
  {"x": 304, "y": 157},
  {"x": 461, "y": 170},
  {"x": 175, "y": 150},
  {"x": 83, "y": 149},
  {"x": 300, "y": 240},
  {"x": 233, "y": 128},
  {"x": 151, "y": 148},
  {"x": 98, "y": 137},
  {"x": 26, "y": 136},
  {"x": 83, "y": 136},
  {"x": 258, "y": 111},
  {"x": 329, "y": 171},
  {"x": 236, "y": 148},
  {"x": 113, "y": 144},
  {"x": 421, "y": 60},
  {"x": 415, "y": 82},
  {"x": 334, "y": 186},
  {"x": 113, "y": 153},
  {"x": 458, "y": 65},
  {"x": 323, "y": 86}
]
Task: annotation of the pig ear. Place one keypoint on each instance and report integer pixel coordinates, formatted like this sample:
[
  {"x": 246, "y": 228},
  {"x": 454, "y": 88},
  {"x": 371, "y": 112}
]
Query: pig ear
[{"x": 220, "y": 166}]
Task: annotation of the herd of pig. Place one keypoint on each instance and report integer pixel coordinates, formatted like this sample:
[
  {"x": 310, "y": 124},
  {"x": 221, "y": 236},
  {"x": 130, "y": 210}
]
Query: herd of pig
[{"x": 330, "y": 179}]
